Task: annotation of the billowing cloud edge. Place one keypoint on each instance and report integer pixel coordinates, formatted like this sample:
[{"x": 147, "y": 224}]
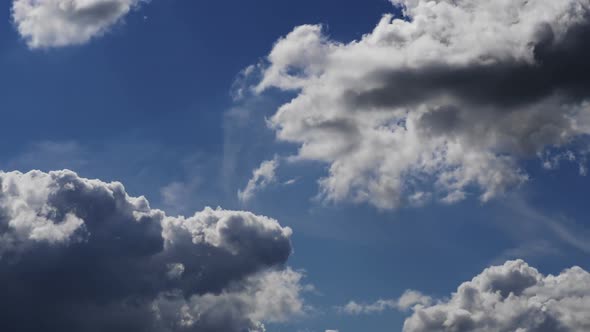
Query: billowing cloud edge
[
  {"x": 510, "y": 297},
  {"x": 439, "y": 104},
  {"x": 108, "y": 260}
]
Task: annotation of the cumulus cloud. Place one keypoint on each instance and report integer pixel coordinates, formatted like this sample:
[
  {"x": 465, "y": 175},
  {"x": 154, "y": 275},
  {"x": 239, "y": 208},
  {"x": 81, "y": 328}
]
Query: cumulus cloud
[
  {"x": 56, "y": 23},
  {"x": 443, "y": 102},
  {"x": 408, "y": 300},
  {"x": 82, "y": 255},
  {"x": 272, "y": 297},
  {"x": 512, "y": 297},
  {"x": 263, "y": 176}
]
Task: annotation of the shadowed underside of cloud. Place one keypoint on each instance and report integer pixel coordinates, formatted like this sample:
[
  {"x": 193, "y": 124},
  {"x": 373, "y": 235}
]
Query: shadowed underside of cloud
[
  {"x": 56, "y": 23},
  {"x": 441, "y": 103},
  {"x": 512, "y": 297},
  {"x": 82, "y": 255}
]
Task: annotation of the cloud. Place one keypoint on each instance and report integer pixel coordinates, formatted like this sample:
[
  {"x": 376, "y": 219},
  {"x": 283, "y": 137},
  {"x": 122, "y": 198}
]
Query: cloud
[
  {"x": 443, "y": 102},
  {"x": 263, "y": 176},
  {"x": 178, "y": 196},
  {"x": 512, "y": 297},
  {"x": 291, "y": 182},
  {"x": 57, "y": 23},
  {"x": 408, "y": 300},
  {"x": 83, "y": 255},
  {"x": 259, "y": 297}
]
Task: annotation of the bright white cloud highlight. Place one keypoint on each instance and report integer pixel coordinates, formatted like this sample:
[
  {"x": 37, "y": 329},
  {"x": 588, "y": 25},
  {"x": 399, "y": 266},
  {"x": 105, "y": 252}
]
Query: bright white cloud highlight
[
  {"x": 57, "y": 23},
  {"x": 441, "y": 103},
  {"x": 263, "y": 176},
  {"x": 408, "y": 300},
  {"x": 511, "y": 297}
]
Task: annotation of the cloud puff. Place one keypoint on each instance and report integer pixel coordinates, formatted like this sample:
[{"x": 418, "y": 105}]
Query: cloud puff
[
  {"x": 82, "y": 255},
  {"x": 512, "y": 297},
  {"x": 270, "y": 297},
  {"x": 56, "y": 23},
  {"x": 408, "y": 300},
  {"x": 264, "y": 175},
  {"x": 444, "y": 101}
]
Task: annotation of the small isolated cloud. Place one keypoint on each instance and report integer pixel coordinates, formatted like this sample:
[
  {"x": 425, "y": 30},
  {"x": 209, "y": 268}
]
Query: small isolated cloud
[
  {"x": 263, "y": 176},
  {"x": 408, "y": 300},
  {"x": 82, "y": 255},
  {"x": 291, "y": 182},
  {"x": 511, "y": 297},
  {"x": 57, "y": 23},
  {"x": 445, "y": 101}
]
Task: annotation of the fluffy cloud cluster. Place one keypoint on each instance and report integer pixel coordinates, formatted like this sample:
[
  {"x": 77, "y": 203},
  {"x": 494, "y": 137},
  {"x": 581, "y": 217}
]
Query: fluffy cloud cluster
[
  {"x": 82, "y": 255},
  {"x": 55, "y": 23},
  {"x": 439, "y": 104},
  {"x": 512, "y": 297}
]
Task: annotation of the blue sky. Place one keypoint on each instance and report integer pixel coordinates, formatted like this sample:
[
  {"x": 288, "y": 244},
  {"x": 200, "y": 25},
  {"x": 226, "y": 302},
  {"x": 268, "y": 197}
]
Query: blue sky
[{"x": 149, "y": 104}]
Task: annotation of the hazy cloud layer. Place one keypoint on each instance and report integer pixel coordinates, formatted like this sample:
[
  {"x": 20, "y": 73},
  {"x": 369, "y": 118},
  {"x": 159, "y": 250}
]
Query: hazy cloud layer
[
  {"x": 512, "y": 297},
  {"x": 56, "y": 23},
  {"x": 82, "y": 255},
  {"x": 441, "y": 104}
]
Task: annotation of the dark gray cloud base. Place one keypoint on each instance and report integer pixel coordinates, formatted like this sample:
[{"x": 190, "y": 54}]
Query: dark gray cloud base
[
  {"x": 82, "y": 255},
  {"x": 557, "y": 70}
]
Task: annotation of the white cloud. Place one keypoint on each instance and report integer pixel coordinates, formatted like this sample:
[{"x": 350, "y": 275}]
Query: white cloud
[
  {"x": 272, "y": 296},
  {"x": 512, "y": 297},
  {"x": 412, "y": 298},
  {"x": 408, "y": 300},
  {"x": 56, "y": 23},
  {"x": 290, "y": 182},
  {"x": 99, "y": 249},
  {"x": 263, "y": 176},
  {"x": 445, "y": 101},
  {"x": 178, "y": 196}
]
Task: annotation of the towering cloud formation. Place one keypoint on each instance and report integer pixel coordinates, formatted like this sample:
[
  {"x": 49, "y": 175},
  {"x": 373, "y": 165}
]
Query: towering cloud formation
[
  {"x": 55, "y": 23},
  {"x": 512, "y": 297},
  {"x": 441, "y": 103},
  {"x": 82, "y": 255}
]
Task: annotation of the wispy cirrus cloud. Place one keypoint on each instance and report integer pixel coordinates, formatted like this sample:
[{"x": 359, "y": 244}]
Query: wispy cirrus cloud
[
  {"x": 262, "y": 177},
  {"x": 408, "y": 300}
]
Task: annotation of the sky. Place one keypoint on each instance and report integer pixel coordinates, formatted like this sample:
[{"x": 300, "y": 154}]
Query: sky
[{"x": 282, "y": 166}]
